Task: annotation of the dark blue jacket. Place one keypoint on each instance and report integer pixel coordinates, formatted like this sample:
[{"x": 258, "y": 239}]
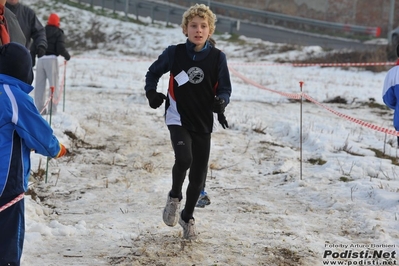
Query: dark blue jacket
[{"x": 165, "y": 62}]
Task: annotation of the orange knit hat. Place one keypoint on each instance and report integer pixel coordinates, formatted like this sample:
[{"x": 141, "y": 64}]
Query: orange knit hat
[{"x": 53, "y": 20}]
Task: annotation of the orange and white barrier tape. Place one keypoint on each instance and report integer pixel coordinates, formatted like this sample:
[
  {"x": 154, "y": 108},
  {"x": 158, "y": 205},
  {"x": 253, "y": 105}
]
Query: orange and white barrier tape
[
  {"x": 247, "y": 80},
  {"x": 299, "y": 95},
  {"x": 352, "y": 119}
]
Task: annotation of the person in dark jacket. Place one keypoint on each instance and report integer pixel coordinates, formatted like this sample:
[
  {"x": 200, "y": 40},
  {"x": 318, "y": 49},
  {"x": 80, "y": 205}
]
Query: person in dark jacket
[
  {"x": 31, "y": 27},
  {"x": 47, "y": 65},
  {"x": 22, "y": 129},
  {"x": 14, "y": 30},
  {"x": 199, "y": 88}
]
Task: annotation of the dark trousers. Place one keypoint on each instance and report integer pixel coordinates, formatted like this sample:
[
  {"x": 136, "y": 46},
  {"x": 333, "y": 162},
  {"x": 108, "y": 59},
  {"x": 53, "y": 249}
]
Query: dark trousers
[
  {"x": 12, "y": 232},
  {"x": 191, "y": 152}
]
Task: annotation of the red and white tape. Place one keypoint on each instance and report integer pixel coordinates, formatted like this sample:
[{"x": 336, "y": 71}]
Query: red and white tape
[
  {"x": 18, "y": 198},
  {"x": 299, "y": 95},
  {"x": 317, "y": 64}
]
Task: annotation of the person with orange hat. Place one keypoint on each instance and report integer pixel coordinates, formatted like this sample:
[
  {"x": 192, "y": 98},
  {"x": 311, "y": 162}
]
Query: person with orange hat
[{"x": 47, "y": 65}]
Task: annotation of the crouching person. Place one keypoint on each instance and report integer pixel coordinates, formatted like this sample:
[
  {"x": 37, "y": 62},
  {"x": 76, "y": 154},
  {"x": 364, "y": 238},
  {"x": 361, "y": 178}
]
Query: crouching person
[{"x": 22, "y": 129}]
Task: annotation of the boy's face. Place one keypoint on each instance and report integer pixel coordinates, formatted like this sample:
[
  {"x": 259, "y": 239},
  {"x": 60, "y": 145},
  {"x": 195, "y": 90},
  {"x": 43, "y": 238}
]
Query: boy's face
[{"x": 197, "y": 32}]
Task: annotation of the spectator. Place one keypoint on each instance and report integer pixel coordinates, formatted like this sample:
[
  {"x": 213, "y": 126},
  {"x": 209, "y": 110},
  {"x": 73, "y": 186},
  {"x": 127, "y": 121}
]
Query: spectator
[
  {"x": 199, "y": 86},
  {"x": 23, "y": 130},
  {"x": 47, "y": 65},
  {"x": 390, "y": 92},
  {"x": 31, "y": 27},
  {"x": 10, "y": 26}
]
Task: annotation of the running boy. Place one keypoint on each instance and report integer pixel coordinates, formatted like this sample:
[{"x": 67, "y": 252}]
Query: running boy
[
  {"x": 22, "y": 129},
  {"x": 199, "y": 85}
]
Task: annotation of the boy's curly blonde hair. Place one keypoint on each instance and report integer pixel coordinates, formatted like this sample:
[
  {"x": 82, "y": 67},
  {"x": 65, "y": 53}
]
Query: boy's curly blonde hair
[{"x": 202, "y": 11}]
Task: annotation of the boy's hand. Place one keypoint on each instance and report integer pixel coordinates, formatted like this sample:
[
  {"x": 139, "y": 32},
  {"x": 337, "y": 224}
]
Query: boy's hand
[
  {"x": 219, "y": 105},
  {"x": 155, "y": 99},
  {"x": 223, "y": 121},
  {"x": 41, "y": 50},
  {"x": 62, "y": 151}
]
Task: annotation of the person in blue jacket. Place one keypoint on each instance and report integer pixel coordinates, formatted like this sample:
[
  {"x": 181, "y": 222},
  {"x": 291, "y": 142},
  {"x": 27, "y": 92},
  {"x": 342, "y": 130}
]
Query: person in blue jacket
[
  {"x": 22, "y": 130},
  {"x": 390, "y": 92},
  {"x": 199, "y": 88}
]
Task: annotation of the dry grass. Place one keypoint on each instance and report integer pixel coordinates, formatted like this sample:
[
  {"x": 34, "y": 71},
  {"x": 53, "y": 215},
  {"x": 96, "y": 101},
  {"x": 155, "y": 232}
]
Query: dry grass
[{"x": 379, "y": 54}]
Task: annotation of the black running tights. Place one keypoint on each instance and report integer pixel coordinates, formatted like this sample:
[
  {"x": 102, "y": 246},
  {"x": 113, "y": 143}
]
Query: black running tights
[{"x": 191, "y": 152}]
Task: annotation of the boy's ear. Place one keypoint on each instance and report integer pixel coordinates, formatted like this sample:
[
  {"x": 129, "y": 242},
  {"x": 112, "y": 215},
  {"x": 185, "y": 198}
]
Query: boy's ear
[{"x": 184, "y": 29}]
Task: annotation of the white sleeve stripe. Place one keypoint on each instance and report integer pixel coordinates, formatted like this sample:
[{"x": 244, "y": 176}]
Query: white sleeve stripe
[{"x": 13, "y": 103}]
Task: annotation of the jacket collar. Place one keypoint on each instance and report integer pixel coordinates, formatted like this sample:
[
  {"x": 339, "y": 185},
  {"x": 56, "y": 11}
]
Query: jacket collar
[
  {"x": 196, "y": 56},
  {"x": 6, "y": 79}
]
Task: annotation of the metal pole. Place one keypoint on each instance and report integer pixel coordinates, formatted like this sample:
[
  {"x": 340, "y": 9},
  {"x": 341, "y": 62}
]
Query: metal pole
[
  {"x": 300, "y": 134},
  {"x": 391, "y": 17},
  {"x": 167, "y": 16},
  {"x": 126, "y": 9},
  {"x": 51, "y": 113},
  {"x": 64, "y": 90}
]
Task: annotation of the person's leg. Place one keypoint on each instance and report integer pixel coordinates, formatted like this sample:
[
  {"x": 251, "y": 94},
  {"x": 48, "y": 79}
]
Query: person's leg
[
  {"x": 198, "y": 170},
  {"x": 52, "y": 71},
  {"x": 40, "y": 86},
  {"x": 12, "y": 232},
  {"x": 181, "y": 142},
  {"x": 203, "y": 199}
]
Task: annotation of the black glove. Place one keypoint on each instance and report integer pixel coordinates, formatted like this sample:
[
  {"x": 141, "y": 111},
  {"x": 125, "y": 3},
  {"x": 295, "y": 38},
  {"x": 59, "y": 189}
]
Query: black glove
[
  {"x": 222, "y": 120},
  {"x": 155, "y": 99},
  {"x": 219, "y": 105},
  {"x": 41, "y": 50}
]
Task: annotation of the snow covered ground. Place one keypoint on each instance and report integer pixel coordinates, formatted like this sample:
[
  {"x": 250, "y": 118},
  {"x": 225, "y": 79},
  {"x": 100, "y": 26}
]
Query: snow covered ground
[{"x": 102, "y": 204}]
